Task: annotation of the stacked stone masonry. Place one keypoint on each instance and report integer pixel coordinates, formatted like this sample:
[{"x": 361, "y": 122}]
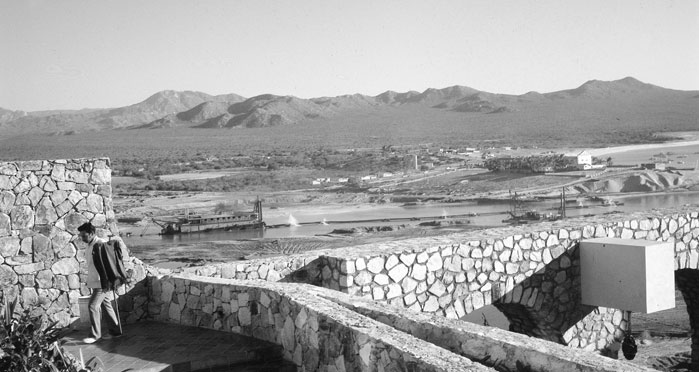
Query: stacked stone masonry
[
  {"x": 323, "y": 330},
  {"x": 316, "y": 334},
  {"x": 532, "y": 277},
  {"x": 41, "y": 205},
  {"x": 531, "y": 274}
]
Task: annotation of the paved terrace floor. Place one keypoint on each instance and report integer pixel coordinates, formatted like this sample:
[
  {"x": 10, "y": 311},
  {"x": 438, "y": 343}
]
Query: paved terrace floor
[{"x": 154, "y": 347}]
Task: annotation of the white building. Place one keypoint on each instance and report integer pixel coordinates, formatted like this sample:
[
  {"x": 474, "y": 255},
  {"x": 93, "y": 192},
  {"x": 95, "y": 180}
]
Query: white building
[{"x": 580, "y": 159}]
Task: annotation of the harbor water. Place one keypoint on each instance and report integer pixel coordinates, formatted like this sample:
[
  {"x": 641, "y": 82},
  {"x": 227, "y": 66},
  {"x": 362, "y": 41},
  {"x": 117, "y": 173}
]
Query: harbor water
[{"x": 307, "y": 222}]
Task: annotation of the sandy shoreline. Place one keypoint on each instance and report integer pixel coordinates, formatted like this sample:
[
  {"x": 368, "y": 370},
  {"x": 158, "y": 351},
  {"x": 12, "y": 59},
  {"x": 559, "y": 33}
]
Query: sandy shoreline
[{"x": 619, "y": 149}]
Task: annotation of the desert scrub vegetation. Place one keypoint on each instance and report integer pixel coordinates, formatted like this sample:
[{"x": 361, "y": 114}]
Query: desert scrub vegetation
[
  {"x": 305, "y": 145},
  {"x": 250, "y": 180},
  {"x": 318, "y": 159}
]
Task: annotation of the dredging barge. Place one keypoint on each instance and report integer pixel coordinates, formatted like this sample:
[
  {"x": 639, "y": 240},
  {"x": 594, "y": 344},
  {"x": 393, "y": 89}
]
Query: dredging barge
[{"x": 187, "y": 222}]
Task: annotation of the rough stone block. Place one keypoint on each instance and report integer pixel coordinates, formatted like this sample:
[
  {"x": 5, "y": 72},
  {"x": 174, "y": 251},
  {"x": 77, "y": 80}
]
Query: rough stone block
[
  {"x": 434, "y": 263},
  {"x": 376, "y": 265},
  {"x": 398, "y": 272},
  {"x": 5, "y": 225},
  {"x": 22, "y": 217},
  {"x": 9, "y": 246},
  {"x": 381, "y": 279},
  {"x": 101, "y": 176}
]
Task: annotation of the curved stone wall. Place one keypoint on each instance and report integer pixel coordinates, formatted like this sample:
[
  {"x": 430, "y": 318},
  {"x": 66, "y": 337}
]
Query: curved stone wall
[
  {"x": 531, "y": 273},
  {"x": 316, "y": 334},
  {"x": 322, "y": 330}
]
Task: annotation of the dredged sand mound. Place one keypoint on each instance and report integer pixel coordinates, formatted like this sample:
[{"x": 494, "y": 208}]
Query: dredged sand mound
[{"x": 648, "y": 181}]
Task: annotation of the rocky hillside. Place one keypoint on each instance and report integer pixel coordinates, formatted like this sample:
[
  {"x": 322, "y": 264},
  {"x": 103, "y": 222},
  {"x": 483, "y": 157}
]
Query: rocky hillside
[
  {"x": 9, "y": 115},
  {"x": 155, "y": 107},
  {"x": 614, "y": 105}
]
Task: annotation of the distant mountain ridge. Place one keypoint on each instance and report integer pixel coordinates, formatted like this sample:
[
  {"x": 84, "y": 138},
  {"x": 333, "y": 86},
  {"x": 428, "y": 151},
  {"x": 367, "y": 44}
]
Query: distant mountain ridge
[
  {"x": 9, "y": 115},
  {"x": 171, "y": 109}
]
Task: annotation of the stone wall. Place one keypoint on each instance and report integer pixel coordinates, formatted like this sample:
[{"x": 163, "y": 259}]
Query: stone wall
[
  {"x": 503, "y": 350},
  {"x": 530, "y": 273},
  {"x": 297, "y": 268},
  {"x": 41, "y": 205},
  {"x": 533, "y": 276},
  {"x": 316, "y": 334},
  {"x": 323, "y": 330}
]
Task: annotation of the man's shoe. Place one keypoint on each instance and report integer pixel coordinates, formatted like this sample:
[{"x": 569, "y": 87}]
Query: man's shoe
[{"x": 90, "y": 340}]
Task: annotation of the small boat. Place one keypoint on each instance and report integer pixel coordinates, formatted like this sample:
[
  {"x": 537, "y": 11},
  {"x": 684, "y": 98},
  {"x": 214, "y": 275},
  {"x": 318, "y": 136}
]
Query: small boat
[
  {"x": 526, "y": 217},
  {"x": 519, "y": 214},
  {"x": 193, "y": 223}
]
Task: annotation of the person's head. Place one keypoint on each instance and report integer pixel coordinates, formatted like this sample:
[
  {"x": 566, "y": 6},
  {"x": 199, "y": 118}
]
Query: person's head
[{"x": 86, "y": 232}]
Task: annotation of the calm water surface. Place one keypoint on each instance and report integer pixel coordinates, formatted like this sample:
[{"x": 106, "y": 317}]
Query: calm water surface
[{"x": 306, "y": 223}]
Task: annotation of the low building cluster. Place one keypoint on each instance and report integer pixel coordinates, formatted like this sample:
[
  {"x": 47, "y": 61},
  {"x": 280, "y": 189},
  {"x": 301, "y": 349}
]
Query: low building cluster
[{"x": 543, "y": 163}]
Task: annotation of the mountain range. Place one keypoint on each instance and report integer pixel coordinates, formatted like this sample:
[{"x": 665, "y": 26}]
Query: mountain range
[{"x": 189, "y": 109}]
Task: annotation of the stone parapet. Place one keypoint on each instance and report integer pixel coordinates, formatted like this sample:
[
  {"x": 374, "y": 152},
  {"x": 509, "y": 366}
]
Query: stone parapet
[
  {"x": 532, "y": 276},
  {"x": 530, "y": 273},
  {"x": 505, "y": 351},
  {"x": 299, "y": 268},
  {"x": 320, "y": 329},
  {"x": 315, "y": 333}
]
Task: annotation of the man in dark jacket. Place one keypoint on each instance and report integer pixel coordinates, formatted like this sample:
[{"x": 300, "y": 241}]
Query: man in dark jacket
[{"x": 105, "y": 271}]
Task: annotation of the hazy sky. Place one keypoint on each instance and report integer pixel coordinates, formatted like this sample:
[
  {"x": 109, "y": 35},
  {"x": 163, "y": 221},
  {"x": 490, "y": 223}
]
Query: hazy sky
[{"x": 76, "y": 54}]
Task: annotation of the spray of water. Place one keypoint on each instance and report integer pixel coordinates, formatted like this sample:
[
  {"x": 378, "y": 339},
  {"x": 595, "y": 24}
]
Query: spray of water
[{"x": 292, "y": 221}]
